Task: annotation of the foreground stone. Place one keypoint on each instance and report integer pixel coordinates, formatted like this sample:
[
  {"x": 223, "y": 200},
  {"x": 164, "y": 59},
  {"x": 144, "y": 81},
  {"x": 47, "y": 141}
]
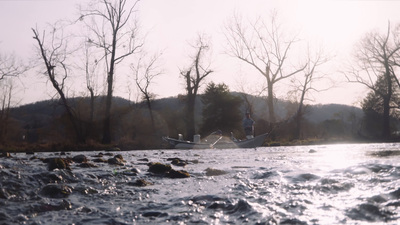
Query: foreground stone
[
  {"x": 57, "y": 163},
  {"x": 159, "y": 168},
  {"x": 215, "y": 172},
  {"x": 56, "y": 191},
  {"x": 116, "y": 160},
  {"x": 166, "y": 170},
  {"x": 80, "y": 159}
]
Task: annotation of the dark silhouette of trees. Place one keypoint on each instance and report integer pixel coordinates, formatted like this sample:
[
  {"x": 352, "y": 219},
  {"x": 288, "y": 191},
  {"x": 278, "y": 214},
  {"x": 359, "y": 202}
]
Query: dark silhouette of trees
[
  {"x": 6, "y": 88},
  {"x": 373, "y": 106},
  {"x": 266, "y": 48},
  {"x": 221, "y": 110},
  {"x": 375, "y": 68},
  {"x": 54, "y": 54},
  {"x": 145, "y": 71},
  {"x": 113, "y": 33},
  {"x": 306, "y": 84},
  {"x": 194, "y": 77},
  {"x": 91, "y": 68},
  {"x": 10, "y": 68}
]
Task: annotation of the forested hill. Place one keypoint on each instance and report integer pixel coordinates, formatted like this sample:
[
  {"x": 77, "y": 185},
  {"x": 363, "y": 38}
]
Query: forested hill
[
  {"x": 44, "y": 110},
  {"x": 47, "y": 122}
]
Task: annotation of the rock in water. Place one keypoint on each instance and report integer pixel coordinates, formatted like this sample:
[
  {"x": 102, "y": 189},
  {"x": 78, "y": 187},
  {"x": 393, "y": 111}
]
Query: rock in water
[
  {"x": 178, "y": 174},
  {"x": 159, "y": 168},
  {"x": 56, "y": 191},
  {"x": 116, "y": 161},
  {"x": 79, "y": 159},
  {"x": 215, "y": 172},
  {"x": 56, "y": 163}
]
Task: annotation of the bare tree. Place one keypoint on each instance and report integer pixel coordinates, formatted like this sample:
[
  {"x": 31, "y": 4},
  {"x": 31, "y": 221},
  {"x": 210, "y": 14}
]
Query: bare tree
[
  {"x": 263, "y": 46},
  {"x": 375, "y": 60},
  {"x": 112, "y": 32},
  {"x": 91, "y": 68},
  {"x": 6, "y": 86},
  {"x": 145, "y": 71},
  {"x": 10, "y": 66},
  {"x": 193, "y": 77},
  {"x": 54, "y": 56},
  {"x": 307, "y": 83}
]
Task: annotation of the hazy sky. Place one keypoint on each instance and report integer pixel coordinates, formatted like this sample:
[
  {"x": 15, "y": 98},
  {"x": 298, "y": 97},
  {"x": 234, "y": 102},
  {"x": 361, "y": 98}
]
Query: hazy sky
[{"x": 172, "y": 24}]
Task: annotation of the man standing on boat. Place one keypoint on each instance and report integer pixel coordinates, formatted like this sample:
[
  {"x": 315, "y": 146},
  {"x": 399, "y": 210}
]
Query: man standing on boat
[{"x": 248, "y": 125}]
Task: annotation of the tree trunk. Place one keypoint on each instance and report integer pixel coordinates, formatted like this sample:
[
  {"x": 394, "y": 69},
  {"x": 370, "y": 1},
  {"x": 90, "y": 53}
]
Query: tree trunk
[
  {"x": 299, "y": 114},
  {"x": 91, "y": 107},
  {"x": 386, "y": 118},
  {"x": 190, "y": 123},
  {"x": 298, "y": 118},
  {"x": 107, "y": 115},
  {"x": 270, "y": 103},
  {"x": 110, "y": 81},
  {"x": 148, "y": 101}
]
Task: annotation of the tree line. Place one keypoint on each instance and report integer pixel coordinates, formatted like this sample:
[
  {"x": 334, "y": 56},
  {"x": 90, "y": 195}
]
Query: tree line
[{"x": 112, "y": 41}]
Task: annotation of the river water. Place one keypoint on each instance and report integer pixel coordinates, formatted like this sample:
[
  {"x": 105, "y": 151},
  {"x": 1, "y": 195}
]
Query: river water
[{"x": 323, "y": 184}]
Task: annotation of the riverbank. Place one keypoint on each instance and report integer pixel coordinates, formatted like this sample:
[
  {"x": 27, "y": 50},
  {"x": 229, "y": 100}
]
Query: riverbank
[{"x": 122, "y": 146}]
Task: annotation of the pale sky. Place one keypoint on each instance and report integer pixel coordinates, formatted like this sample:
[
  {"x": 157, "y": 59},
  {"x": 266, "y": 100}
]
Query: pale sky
[{"x": 171, "y": 25}]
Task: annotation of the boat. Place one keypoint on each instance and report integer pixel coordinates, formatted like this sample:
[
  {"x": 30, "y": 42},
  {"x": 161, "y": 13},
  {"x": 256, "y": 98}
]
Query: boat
[{"x": 220, "y": 143}]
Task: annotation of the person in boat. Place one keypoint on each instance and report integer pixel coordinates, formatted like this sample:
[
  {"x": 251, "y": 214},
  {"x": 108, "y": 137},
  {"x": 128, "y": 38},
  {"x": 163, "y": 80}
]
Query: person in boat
[{"x": 248, "y": 126}]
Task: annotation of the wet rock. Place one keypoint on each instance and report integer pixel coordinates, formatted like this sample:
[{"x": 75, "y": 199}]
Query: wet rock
[
  {"x": 116, "y": 160},
  {"x": 79, "y": 159},
  {"x": 57, "y": 163},
  {"x": 178, "y": 162},
  {"x": 177, "y": 174},
  {"x": 305, "y": 177},
  {"x": 215, "y": 172},
  {"x": 195, "y": 161},
  {"x": 119, "y": 157},
  {"x": 144, "y": 160},
  {"x": 100, "y": 160},
  {"x": 135, "y": 170},
  {"x": 56, "y": 191},
  {"x": 292, "y": 222},
  {"x": 30, "y": 152},
  {"x": 33, "y": 158},
  {"x": 159, "y": 168},
  {"x": 98, "y": 155},
  {"x": 63, "y": 205},
  {"x": 5, "y": 155},
  {"x": 141, "y": 183},
  {"x": 312, "y": 151}
]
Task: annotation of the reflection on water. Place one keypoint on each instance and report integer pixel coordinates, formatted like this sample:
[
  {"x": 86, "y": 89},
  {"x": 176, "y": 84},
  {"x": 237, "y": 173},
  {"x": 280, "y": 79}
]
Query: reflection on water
[{"x": 325, "y": 184}]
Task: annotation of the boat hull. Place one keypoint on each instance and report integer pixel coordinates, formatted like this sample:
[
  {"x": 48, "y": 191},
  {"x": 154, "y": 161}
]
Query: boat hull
[{"x": 248, "y": 143}]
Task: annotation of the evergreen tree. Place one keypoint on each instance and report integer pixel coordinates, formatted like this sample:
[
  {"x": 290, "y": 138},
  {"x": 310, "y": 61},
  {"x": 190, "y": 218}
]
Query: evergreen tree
[
  {"x": 384, "y": 98},
  {"x": 221, "y": 110}
]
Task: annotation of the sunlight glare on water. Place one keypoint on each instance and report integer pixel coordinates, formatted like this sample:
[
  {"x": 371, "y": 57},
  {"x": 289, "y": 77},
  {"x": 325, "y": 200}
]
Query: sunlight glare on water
[{"x": 337, "y": 156}]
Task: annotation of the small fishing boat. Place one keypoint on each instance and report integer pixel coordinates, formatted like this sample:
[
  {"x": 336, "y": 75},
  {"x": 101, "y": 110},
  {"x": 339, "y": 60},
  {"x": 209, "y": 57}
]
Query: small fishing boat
[{"x": 219, "y": 143}]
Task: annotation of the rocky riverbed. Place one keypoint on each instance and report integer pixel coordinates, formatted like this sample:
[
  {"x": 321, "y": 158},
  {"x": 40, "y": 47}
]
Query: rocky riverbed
[{"x": 324, "y": 184}]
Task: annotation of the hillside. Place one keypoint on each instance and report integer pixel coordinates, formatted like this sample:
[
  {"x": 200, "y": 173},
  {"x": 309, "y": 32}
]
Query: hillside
[
  {"x": 45, "y": 123},
  {"x": 41, "y": 112}
]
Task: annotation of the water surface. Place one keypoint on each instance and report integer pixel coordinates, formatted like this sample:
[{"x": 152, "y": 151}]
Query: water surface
[{"x": 324, "y": 184}]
